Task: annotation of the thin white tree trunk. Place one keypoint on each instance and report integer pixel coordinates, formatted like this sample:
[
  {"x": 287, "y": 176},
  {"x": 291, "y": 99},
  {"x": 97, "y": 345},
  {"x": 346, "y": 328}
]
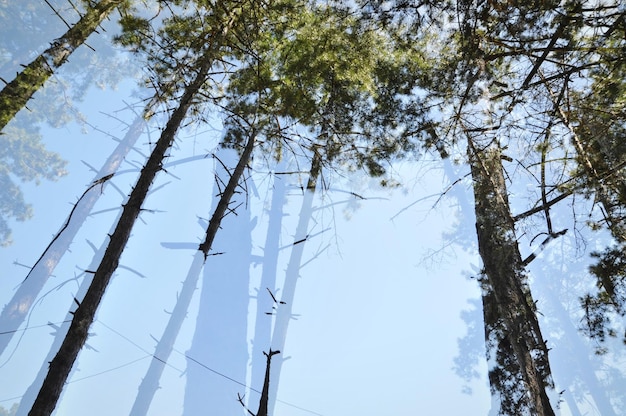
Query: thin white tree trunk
[
  {"x": 292, "y": 274},
  {"x": 150, "y": 382}
]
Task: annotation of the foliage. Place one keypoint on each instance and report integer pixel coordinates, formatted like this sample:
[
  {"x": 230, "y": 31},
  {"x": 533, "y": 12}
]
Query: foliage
[
  {"x": 340, "y": 78},
  {"x": 597, "y": 115},
  {"x": 506, "y": 79},
  {"x": 22, "y": 157}
]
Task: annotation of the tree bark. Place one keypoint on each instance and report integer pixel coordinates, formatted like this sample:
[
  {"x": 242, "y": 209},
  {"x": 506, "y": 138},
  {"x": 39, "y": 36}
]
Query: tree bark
[
  {"x": 84, "y": 315},
  {"x": 518, "y": 358},
  {"x": 263, "y": 402},
  {"x": 16, "y": 93}
]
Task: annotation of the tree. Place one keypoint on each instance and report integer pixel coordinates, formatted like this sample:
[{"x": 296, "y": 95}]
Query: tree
[
  {"x": 521, "y": 375},
  {"x": 322, "y": 74},
  {"x": 16, "y": 93},
  {"x": 149, "y": 385},
  {"x": 263, "y": 401},
  {"x": 595, "y": 120},
  {"x": 343, "y": 88},
  {"x": 84, "y": 314},
  {"x": 244, "y": 123},
  {"x": 220, "y": 338},
  {"x": 292, "y": 273},
  {"x": 483, "y": 92},
  {"x": 24, "y": 157},
  {"x": 15, "y": 312},
  {"x": 265, "y": 303}
]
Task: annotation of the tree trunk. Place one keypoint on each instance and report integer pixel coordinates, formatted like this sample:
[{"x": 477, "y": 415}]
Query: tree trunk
[
  {"x": 518, "y": 358},
  {"x": 263, "y": 402},
  {"x": 283, "y": 314},
  {"x": 16, "y": 93},
  {"x": 216, "y": 343},
  {"x": 150, "y": 382},
  {"x": 264, "y": 302},
  {"x": 84, "y": 315},
  {"x": 18, "y": 307}
]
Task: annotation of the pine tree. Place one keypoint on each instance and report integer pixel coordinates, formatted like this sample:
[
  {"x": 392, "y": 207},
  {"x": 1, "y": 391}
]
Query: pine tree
[
  {"x": 292, "y": 274},
  {"x": 501, "y": 61},
  {"x": 520, "y": 371},
  {"x": 16, "y": 93},
  {"x": 84, "y": 314},
  {"x": 224, "y": 292}
]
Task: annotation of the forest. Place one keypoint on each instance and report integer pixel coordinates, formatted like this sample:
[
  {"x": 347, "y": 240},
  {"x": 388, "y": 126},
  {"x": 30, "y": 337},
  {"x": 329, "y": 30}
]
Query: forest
[{"x": 304, "y": 207}]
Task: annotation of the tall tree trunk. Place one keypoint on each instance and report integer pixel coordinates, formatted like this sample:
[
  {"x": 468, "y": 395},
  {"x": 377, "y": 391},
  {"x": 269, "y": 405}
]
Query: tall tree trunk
[
  {"x": 263, "y": 401},
  {"x": 264, "y": 302},
  {"x": 17, "y": 309},
  {"x": 150, "y": 382},
  {"x": 518, "y": 358},
  {"x": 283, "y": 314},
  {"x": 16, "y": 93},
  {"x": 84, "y": 315}
]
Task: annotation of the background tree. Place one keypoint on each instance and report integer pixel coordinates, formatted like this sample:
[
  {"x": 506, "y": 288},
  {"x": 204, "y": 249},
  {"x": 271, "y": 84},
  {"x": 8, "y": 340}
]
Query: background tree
[
  {"x": 264, "y": 302},
  {"x": 491, "y": 97},
  {"x": 14, "y": 312},
  {"x": 16, "y": 93},
  {"x": 84, "y": 315},
  {"x": 25, "y": 157},
  {"x": 225, "y": 283},
  {"x": 595, "y": 120}
]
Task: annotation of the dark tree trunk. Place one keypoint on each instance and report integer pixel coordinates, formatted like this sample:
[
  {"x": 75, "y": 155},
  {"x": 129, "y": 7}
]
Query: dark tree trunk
[
  {"x": 263, "y": 402},
  {"x": 16, "y": 93},
  {"x": 31, "y": 392},
  {"x": 518, "y": 358},
  {"x": 84, "y": 315}
]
